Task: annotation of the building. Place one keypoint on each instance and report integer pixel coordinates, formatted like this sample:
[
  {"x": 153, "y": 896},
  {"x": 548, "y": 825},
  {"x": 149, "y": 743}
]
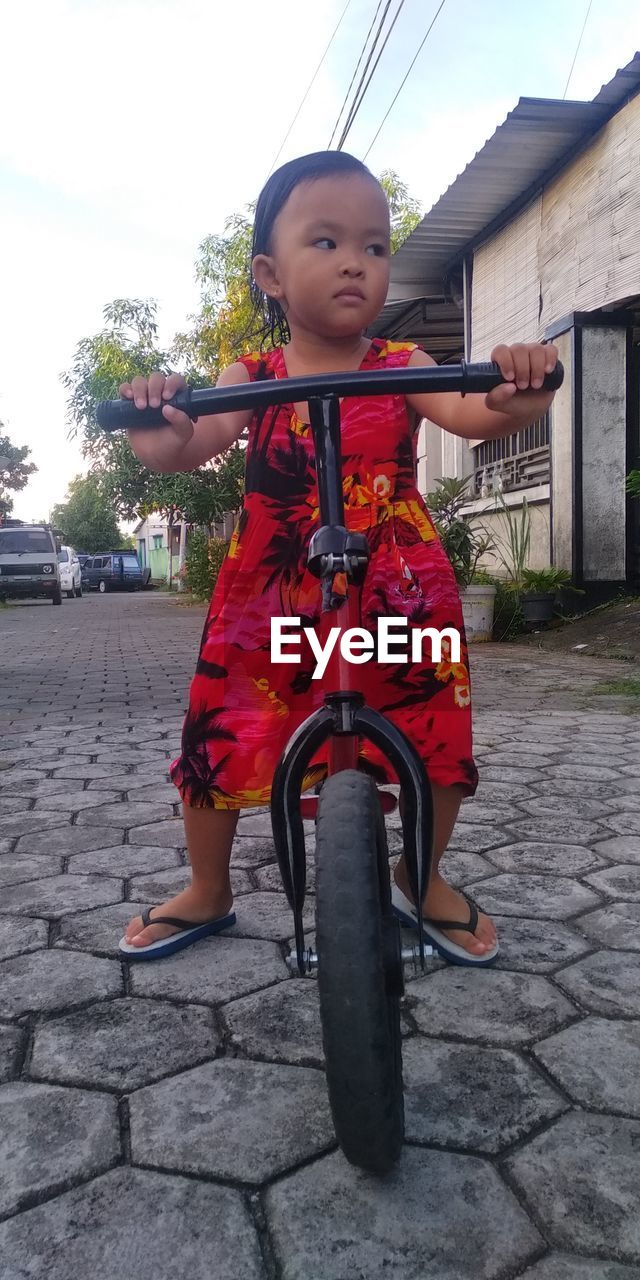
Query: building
[
  {"x": 539, "y": 238},
  {"x": 152, "y": 537}
]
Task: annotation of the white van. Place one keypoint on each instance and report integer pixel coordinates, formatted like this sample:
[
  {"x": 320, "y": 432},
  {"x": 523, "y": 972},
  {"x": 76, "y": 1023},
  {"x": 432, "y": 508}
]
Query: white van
[{"x": 28, "y": 561}]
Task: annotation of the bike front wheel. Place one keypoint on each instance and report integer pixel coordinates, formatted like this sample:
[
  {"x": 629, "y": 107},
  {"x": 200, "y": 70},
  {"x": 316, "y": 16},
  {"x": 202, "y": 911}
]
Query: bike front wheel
[{"x": 359, "y": 972}]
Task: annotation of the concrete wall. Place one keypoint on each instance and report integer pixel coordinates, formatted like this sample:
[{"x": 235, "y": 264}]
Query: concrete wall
[{"x": 603, "y": 453}]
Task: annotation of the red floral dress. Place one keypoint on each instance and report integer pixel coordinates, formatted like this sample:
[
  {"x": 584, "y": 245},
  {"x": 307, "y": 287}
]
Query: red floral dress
[{"x": 242, "y": 707}]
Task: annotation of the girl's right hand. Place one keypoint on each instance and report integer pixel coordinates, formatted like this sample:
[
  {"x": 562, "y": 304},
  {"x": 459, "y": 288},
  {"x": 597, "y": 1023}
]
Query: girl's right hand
[{"x": 158, "y": 447}]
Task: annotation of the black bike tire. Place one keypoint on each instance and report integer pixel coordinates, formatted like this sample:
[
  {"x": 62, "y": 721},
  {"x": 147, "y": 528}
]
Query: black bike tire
[{"x": 360, "y": 1016}]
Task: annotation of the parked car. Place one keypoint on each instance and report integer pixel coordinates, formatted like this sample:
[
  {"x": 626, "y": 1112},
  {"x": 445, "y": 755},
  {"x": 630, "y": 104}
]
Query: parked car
[
  {"x": 115, "y": 571},
  {"x": 29, "y": 561},
  {"x": 70, "y": 572}
]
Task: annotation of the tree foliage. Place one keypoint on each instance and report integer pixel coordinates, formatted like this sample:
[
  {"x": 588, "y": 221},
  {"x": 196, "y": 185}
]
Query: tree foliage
[
  {"x": 86, "y": 518},
  {"x": 14, "y": 471},
  {"x": 222, "y": 329}
]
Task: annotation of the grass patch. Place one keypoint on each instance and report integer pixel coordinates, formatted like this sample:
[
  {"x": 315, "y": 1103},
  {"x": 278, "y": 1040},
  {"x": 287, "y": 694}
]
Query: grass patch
[{"x": 627, "y": 685}]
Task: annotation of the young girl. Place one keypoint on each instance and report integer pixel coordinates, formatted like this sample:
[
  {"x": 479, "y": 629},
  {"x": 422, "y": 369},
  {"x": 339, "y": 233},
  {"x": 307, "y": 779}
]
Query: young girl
[{"x": 320, "y": 276}]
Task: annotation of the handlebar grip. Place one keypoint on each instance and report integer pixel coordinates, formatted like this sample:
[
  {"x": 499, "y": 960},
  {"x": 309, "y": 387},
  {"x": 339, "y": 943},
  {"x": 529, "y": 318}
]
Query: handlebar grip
[
  {"x": 117, "y": 415},
  {"x": 489, "y": 368}
]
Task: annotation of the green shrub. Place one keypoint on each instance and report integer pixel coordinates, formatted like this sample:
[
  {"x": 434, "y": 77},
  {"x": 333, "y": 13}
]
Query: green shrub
[
  {"x": 508, "y": 618},
  {"x": 203, "y": 563}
]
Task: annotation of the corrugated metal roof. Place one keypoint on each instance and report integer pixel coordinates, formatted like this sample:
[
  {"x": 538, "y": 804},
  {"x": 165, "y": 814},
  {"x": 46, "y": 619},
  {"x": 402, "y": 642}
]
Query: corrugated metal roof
[{"x": 537, "y": 139}]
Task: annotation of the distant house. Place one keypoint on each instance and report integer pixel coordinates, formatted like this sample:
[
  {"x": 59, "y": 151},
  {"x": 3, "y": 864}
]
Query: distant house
[
  {"x": 539, "y": 238},
  {"x": 152, "y": 542}
]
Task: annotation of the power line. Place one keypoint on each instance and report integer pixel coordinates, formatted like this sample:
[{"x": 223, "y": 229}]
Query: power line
[
  {"x": 346, "y": 96},
  {"x": 441, "y": 7},
  {"x": 358, "y": 104},
  {"x": 577, "y": 48},
  {"x": 358, "y": 88},
  {"x": 309, "y": 87}
]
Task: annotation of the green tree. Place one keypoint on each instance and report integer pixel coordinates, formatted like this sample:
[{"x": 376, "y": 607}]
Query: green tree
[
  {"x": 14, "y": 471},
  {"x": 405, "y": 210},
  {"x": 126, "y": 346},
  {"x": 86, "y": 519}
]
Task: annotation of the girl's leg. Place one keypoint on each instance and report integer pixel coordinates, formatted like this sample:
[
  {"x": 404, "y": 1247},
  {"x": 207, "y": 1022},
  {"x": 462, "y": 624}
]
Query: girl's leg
[
  {"x": 209, "y": 836},
  {"x": 441, "y": 901}
]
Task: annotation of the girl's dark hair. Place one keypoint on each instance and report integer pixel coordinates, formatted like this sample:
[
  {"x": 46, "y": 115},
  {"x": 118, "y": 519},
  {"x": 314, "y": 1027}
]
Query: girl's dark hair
[{"x": 270, "y": 318}]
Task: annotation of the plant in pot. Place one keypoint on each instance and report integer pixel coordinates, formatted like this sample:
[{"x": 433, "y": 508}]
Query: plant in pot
[
  {"x": 465, "y": 541},
  {"x": 539, "y": 590}
]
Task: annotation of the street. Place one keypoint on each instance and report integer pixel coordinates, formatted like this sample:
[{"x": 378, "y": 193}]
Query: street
[{"x": 172, "y": 1116}]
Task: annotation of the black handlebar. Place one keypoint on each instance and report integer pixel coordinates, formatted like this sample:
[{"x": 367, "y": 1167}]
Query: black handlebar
[{"x": 116, "y": 415}]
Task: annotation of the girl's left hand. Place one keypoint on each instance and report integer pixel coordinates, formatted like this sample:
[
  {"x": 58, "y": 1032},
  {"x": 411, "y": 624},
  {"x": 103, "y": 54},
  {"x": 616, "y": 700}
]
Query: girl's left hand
[{"x": 525, "y": 367}]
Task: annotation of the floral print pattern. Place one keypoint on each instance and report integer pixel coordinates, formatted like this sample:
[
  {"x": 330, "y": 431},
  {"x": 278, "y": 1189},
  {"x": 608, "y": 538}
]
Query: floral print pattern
[{"x": 242, "y": 707}]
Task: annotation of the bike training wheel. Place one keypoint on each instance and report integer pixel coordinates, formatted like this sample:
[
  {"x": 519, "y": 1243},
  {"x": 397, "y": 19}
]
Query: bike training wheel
[{"x": 359, "y": 972}]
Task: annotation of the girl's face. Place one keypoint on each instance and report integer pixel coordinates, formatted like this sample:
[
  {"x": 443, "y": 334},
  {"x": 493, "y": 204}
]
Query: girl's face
[{"x": 329, "y": 261}]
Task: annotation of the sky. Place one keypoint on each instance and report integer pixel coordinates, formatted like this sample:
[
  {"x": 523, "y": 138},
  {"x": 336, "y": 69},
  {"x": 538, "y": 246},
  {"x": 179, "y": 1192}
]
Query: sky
[{"x": 133, "y": 128}]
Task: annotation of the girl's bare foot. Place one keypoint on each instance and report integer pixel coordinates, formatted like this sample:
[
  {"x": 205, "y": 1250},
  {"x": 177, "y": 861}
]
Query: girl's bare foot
[
  {"x": 188, "y": 905},
  {"x": 444, "y": 903}
]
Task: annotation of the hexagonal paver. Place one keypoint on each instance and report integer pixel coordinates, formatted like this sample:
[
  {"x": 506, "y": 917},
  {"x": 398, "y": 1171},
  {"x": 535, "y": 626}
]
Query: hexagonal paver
[
  {"x": 17, "y": 935},
  {"x": 280, "y": 1025},
  {"x": 607, "y": 982},
  {"x": 554, "y": 829},
  {"x": 536, "y": 946},
  {"x": 572, "y": 787},
  {"x": 475, "y": 1098},
  {"x": 628, "y": 824},
  {"x": 538, "y": 896},
  {"x": 621, "y": 881},
  {"x": 267, "y": 915},
  {"x": 125, "y": 815},
  {"x": 48, "y": 980},
  {"x": 68, "y": 801},
  {"x": 59, "y": 895},
  {"x": 98, "y": 931},
  {"x": 468, "y": 839},
  {"x": 11, "y": 1043},
  {"x": 232, "y": 1119},
  {"x": 585, "y": 772},
  {"x": 479, "y": 812},
  {"x": 437, "y": 1215},
  {"x": 581, "y": 1179},
  {"x": 255, "y": 852},
  {"x": 212, "y": 971},
  {"x": 597, "y": 1061},
  {"x": 554, "y": 859},
  {"x": 170, "y": 832},
  {"x": 616, "y": 926},
  {"x": 132, "y": 1221},
  {"x": 461, "y": 868},
  {"x": 488, "y": 1006},
  {"x": 564, "y": 808},
  {"x": 503, "y": 774},
  {"x": 68, "y": 840},
  {"x": 19, "y": 824},
  {"x": 17, "y": 867},
  {"x": 124, "y": 860},
  {"x": 114, "y": 1045},
  {"x": 620, "y": 849},
  {"x": 48, "y": 1135},
  {"x": 499, "y": 792},
  {"x": 558, "y": 1266}
]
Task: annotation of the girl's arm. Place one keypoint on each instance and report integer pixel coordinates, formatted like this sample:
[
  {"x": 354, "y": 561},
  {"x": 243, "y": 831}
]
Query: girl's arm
[
  {"x": 182, "y": 445},
  {"x": 507, "y": 408}
]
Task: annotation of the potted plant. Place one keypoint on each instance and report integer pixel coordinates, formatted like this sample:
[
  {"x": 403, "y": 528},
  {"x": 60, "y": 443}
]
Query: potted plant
[
  {"x": 465, "y": 542},
  {"x": 538, "y": 592}
]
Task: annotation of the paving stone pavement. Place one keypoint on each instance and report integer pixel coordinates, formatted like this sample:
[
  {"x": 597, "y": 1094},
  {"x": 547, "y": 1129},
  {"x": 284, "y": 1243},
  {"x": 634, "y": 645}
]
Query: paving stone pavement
[{"x": 173, "y": 1116}]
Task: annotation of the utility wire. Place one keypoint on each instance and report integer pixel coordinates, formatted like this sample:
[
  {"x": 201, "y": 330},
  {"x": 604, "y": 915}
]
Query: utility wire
[
  {"x": 309, "y": 87},
  {"x": 358, "y": 104},
  {"x": 346, "y": 96},
  {"x": 577, "y": 48},
  {"x": 389, "y": 109},
  {"x": 358, "y": 88}
]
